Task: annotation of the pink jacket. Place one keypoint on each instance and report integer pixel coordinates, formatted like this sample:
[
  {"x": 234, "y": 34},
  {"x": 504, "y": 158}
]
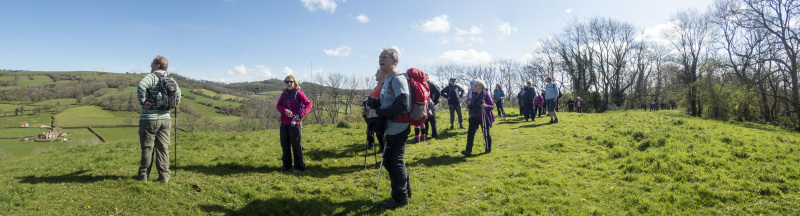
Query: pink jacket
[{"x": 303, "y": 105}]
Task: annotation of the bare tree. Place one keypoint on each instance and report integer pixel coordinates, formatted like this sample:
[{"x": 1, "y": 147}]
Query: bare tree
[{"x": 690, "y": 34}]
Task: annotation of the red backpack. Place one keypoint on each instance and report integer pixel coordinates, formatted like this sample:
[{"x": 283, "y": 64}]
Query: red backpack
[{"x": 420, "y": 92}]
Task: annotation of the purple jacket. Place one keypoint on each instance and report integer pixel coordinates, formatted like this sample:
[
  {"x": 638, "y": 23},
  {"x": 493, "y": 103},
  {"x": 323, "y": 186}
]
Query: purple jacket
[
  {"x": 539, "y": 100},
  {"x": 487, "y": 99}
]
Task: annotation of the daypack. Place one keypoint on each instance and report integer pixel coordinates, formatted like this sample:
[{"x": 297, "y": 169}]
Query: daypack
[
  {"x": 167, "y": 97},
  {"x": 420, "y": 92},
  {"x": 557, "y": 88},
  {"x": 299, "y": 106}
]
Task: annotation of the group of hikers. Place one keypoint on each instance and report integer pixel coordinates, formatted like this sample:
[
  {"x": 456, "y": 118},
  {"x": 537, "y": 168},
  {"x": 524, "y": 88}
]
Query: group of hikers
[
  {"x": 655, "y": 106},
  {"x": 386, "y": 112}
]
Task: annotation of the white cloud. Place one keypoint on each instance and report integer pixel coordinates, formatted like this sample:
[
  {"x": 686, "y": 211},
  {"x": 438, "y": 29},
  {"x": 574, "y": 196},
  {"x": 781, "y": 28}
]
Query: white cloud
[
  {"x": 458, "y": 39},
  {"x": 362, "y": 18},
  {"x": 288, "y": 71},
  {"x": 265, "y": 70},
  {"x": 444, "y": 41},
  {"x": 467, "y": 56},
  {"x": 657, "y": 33},
  {"x": 527, "y": 57},
  {"x": 313, "y": 5},
  {"x": 476, "y": 39},
  {"x": 437, "y": 24},
  {"x": 474, "y": 30},
  {"x": 237, "y": 70},
  {"x": 505, "y": 28},
  {"x": 568, "y": 10},
  {"x": 342, "y": 50},
  {"x": 98, "y": 68}
]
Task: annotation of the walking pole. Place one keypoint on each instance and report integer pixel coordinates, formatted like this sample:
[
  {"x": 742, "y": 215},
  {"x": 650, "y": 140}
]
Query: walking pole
[
  {"x": 176, "y": 140},
  {"x": 483, "y": 126},
  {"x": 385, "y": 145}
]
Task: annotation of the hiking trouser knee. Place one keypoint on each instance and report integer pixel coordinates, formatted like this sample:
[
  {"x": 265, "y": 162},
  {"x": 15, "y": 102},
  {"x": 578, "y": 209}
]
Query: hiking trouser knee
[
  {"x": 291, "y": 136},
  {"x": 395, "y": 165},
  {"x": 154, "y": 136},
  {"x": 455, "y": 108}
]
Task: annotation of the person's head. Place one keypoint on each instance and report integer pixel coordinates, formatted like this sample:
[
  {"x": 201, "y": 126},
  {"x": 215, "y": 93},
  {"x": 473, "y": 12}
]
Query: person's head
[
  {"x": 291, "y": 83},
  {"x": 543, "y": 91},
  {"x": 388, "y": 60},
  {"x": 570, "y": 98},
  {"x": 452, "y": 81},
  {"x": 478, "y": 85},
  {"x": 579, "y": 98},
  {"x": 159, "y": 63},
  {"x": 498, "y": 87},
  {"x": 528, "y": 83},
  {"x": 379, "y": 76},
  {"x": 548, "y": 79}
]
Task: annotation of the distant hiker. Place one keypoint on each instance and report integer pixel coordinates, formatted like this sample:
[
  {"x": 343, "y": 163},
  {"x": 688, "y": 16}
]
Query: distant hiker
[
  {"x": 527, "y": 99},
  {"x": 430, "y": 123},
  {"x": 375, "y": 126},
  {"x": 498, "y": 96},
  {"x": 292, "y": 105},
  {"x": 154, "y": 120},
  {"x": 480, "y": 115},
  {"x": 452, "y": 93},
  {"x": 395, "y": 100},
  {"x": 570, "y": 104},
  {"x": 579, "y": 105},
  {"x": 520, "y": 95},
  {"x": 552, "y": 93},
  {"x": 538, "y": 104}
]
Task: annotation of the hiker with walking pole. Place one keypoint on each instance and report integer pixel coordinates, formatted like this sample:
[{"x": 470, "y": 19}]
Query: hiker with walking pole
[
  {"x": 375, "y": 126},
  {"x": 293, "y": 105},
  {"x": 158, "y": 94},
  {"x": 395, "y": 101},
  {"x": 480, "y": 115}
]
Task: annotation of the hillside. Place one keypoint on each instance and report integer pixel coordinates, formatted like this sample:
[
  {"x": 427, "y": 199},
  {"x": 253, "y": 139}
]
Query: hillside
[{"x": 616, "y": 163}]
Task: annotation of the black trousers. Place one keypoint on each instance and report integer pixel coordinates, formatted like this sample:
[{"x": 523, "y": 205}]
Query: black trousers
[
  {"x": 529, "y": 111},
  {"x": 455, "y": 108},
  {"x": 500, "y": 110},
  {"x": 429, "y": 123},
  {"x": 570, "y": 108},
  {"x": 396, "y": 167},
  {"x": 473, "y": 127},
  {"x": 290, "y": 143}
]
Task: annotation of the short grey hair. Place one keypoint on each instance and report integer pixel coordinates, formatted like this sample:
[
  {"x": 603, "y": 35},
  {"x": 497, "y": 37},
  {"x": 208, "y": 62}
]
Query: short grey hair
[
  {"x": 480, "y": 82},
  {"x": 395, "y": 55}
]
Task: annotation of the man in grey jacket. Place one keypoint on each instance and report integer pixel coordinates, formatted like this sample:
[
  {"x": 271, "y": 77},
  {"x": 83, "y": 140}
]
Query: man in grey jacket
[
  {"x": 395, "y": 99},
  {"x": 154, "y": 124}
]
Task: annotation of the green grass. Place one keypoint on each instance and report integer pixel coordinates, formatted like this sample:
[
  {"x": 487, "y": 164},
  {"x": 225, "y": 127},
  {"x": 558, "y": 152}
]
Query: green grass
[
  {"x": 204, "y": 99},
  {"x": 23, "y": 80},
  {"x": 616, "y": 163},
  {"x": 16, "y": 148},
  {"x": 34, "y": 120},
  {"x": 92, "y": 115}
]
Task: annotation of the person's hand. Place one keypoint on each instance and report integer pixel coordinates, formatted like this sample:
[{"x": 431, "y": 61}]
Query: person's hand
[
  {"x": 147, "y": 105},
  {"x": 297, "y": 118},
  {"x": 287, "y": 113},
  {"x": 368, "y": 107},
  {"x": 372, "y": 114},
  {"x": 483, "y": 105}
]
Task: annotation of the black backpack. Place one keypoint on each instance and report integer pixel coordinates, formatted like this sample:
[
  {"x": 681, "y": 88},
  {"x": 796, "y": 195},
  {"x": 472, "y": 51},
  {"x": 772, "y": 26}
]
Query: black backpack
[{"x": 168, "y": 93}]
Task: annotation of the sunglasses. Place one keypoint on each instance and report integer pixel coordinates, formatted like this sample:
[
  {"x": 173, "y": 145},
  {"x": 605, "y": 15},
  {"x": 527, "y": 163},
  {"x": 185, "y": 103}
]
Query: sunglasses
[{"x": 288, "y": 81}]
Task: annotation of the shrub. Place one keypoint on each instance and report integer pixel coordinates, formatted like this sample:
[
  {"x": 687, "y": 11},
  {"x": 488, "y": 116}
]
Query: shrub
[{"x": 344, "y": 124}]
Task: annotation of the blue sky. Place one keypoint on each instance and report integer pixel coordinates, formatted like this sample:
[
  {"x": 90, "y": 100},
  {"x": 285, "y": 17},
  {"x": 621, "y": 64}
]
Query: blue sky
[{"x": 239, "y": 40}]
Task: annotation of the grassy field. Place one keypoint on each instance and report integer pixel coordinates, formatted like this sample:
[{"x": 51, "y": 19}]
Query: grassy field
[
  {"x": 15, "y": 148},
  {"x": 617, "y": 163},
  {"x": 92, "y": 115},
  {"x": 223, "y": 96}
]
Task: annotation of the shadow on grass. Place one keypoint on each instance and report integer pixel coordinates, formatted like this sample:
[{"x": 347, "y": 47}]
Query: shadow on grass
[
  {"x": 233, "y": 168},
  {"x": 288, "y": 206},
  {"x": 348, "y": 151},
  {"x": 446, "y": 134},
  {"x": 75, "y": 177},
  {"x": 443, "y": 160},
  {"x": 533, "y": 125}
]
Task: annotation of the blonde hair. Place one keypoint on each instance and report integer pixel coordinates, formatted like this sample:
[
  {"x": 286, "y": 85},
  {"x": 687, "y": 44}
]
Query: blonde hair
[
  {"x": 499, "y": 87},
  {"x": 161, "y": 62},
  {"x": 294, "y": 81}
]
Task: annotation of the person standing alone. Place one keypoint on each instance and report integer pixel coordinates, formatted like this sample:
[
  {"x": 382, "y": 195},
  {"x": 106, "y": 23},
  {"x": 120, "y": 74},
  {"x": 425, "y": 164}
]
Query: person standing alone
[
  {"x": 154, "y": 123},
  {"x": 292, "y": 105}
]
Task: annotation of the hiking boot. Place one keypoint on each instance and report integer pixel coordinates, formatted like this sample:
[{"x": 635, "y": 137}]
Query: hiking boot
[
  {"x": 139, "y": 178},
  {"x": 414, "y": 141},
  {"x": 283, "y": 169},
  {"x": 165, "y": 181},
  {"x": 370, "y": 145},
  {"x": 487, "y": 151},
  {"x": 556, "y": 121},
  {"x": 390, "y": 204},
  {"x": 451, "y": 127},
  {"x": 461, "y": 126},
  {"x": 465, "y": 153},
  {"x": 551, "y": 121}
]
